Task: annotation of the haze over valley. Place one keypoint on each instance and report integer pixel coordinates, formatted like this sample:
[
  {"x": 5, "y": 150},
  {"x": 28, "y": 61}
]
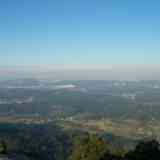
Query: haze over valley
[{"x": 129, "y": 109}]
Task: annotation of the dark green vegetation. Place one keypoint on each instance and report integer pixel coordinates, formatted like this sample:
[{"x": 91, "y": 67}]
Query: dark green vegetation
[
  {"x": 94, "y": 148},
  {"x": 49, "y": 142},
  {"x": 90, "y": 120},
  {"x": 37, "y": 142}
]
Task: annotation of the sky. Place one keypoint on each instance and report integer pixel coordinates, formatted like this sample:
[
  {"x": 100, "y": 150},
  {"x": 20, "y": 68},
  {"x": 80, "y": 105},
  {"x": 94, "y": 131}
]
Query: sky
[{"x": 119, "y": 36}]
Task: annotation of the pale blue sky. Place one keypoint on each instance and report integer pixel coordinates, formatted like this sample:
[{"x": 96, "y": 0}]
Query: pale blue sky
[{"x": 85, "y": 34}]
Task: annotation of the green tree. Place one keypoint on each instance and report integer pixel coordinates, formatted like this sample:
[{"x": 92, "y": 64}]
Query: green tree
[
  {"x": 148, "y": 150},
  {"x": 88, "y": 147},
  {"x": 3, "y": 147}
]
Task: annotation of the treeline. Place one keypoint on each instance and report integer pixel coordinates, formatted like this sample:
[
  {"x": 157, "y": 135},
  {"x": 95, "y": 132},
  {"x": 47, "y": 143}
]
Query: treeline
[
  {"x": 36, "y": 142},
  {"x": 91, "y": 147},
  {"x": 49, "y": 142}
]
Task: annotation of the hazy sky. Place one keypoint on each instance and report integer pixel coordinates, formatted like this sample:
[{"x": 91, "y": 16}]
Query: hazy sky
[{"x": 80, "y": 34}]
